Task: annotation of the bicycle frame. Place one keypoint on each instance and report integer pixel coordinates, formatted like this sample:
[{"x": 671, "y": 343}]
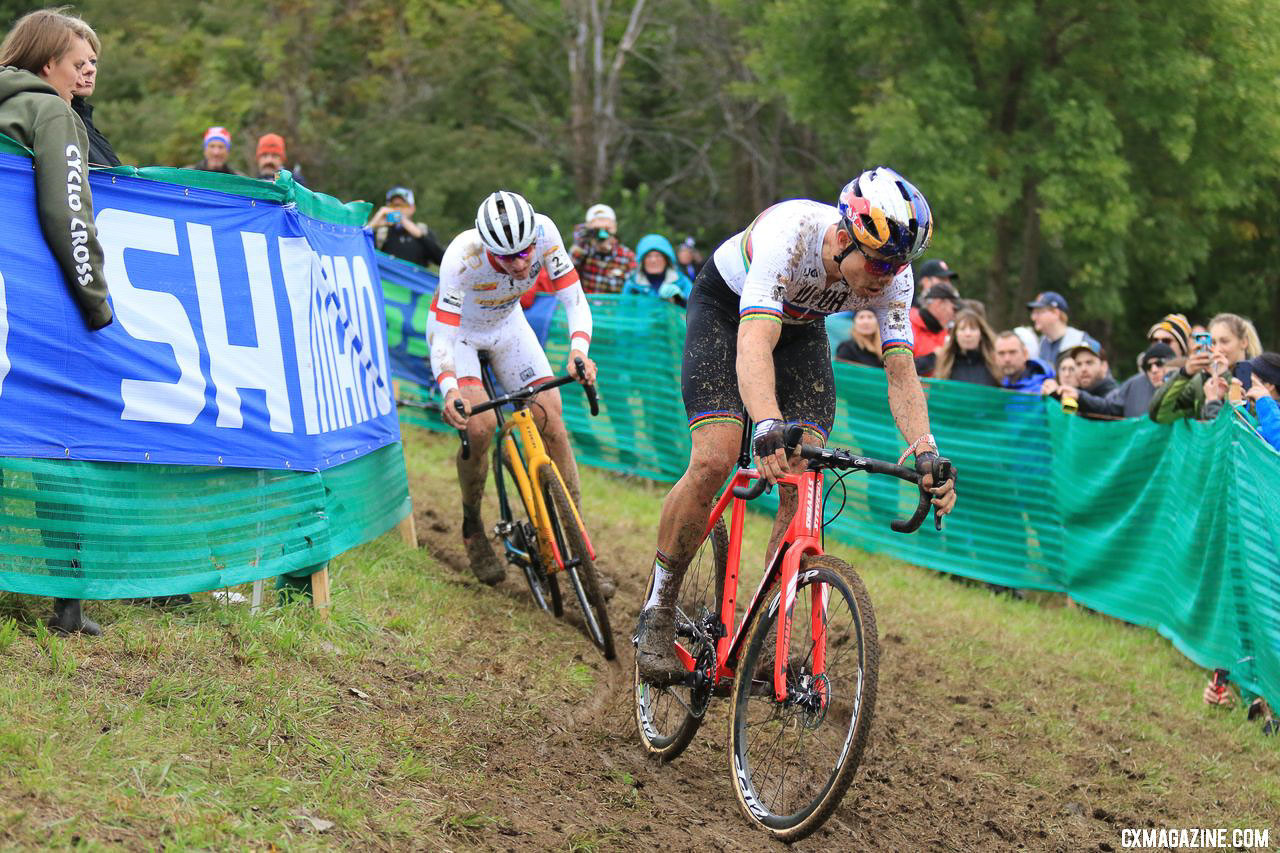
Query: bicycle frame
[
  {"x": 525, "y": 468},
  {"x": 803, "y": 537}
]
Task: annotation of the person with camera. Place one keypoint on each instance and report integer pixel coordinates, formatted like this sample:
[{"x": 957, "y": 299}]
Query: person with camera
[
  {"x": 1199, "y": 387},
  {"x": 603, "y": 263},
  {"x": 1264, "y": 396},
  {"x": 395, "y": 232}
]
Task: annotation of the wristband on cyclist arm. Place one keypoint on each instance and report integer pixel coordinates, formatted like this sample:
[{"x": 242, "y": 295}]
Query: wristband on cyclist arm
[
  {"x": 447, "y": 382},
  {"x": 923, "y": 444},
  {"x": 767, "y": 437},
  {"x": 580, "y": 341}
]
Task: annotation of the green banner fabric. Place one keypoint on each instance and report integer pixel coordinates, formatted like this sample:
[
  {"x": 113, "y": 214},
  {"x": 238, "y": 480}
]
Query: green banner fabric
[
  {"x": 1174, "y": 528},
  {"x": 101, "y": 530}
]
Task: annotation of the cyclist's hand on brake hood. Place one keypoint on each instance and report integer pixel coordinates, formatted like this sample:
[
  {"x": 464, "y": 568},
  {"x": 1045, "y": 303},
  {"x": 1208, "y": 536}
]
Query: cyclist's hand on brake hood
[
  {"x": 452, "y": 416},
  {"x": 944, "y": 496},
  {"x": 767, "y": 445},
  {"x": 590, "y": 367}
]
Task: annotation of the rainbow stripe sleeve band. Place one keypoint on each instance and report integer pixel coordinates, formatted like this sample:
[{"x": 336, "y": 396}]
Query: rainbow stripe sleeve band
[
  {"x": 760, "y": 312},
  {"x": 705, "y": 418},
  {"x": 895, "y": 347}
]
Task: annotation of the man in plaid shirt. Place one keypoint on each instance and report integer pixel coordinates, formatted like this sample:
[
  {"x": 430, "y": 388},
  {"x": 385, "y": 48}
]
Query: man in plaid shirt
[{"x": 602, "y": 261}]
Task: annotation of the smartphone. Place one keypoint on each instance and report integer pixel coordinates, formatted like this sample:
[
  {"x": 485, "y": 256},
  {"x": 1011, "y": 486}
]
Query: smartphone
[
  {"x": 1244, "y": 372},
  {"x": 393, "y": 217},
  {"x": 1204, "y": 340}
]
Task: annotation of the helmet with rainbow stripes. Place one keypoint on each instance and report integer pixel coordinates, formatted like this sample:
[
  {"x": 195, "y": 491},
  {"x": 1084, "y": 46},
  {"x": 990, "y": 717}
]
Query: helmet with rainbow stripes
[{"x": 886, "y": 215}]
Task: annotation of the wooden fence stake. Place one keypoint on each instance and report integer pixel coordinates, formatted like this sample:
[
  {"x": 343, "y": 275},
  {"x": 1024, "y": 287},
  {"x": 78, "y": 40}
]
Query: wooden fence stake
[
  {"x": 408, "y": 530},
  {"x": 320, "y": 591}
]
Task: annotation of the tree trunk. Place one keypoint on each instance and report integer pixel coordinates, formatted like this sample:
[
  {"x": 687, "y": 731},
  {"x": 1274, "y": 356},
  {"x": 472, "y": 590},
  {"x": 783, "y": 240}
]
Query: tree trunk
[
  {"x": 1029, "y": 279},
  {"x": 997, "y": 289},
  {"x": 595, "y": 86}
]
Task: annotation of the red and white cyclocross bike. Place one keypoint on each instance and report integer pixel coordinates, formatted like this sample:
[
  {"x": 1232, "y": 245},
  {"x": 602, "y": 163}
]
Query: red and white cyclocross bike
[{"x": 799, "y": 667}]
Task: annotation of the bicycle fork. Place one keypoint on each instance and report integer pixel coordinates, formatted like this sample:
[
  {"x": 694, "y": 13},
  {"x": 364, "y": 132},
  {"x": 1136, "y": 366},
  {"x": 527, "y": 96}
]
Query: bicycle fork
[{"x": 803, "y": 537}]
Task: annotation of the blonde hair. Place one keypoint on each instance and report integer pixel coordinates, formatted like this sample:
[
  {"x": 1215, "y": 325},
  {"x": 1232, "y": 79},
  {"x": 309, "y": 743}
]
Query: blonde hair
[
  {"x": 1242, "y": 329},
  {"x": 986, "y": 344},
  {"x": 44, "y": 36},
  {"x": 871, "y": 343}
]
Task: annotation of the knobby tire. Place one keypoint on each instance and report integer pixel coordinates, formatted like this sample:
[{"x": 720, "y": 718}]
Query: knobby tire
[
  {"x": 792, "y": 762},
  {"x": 572, "y": 546}
]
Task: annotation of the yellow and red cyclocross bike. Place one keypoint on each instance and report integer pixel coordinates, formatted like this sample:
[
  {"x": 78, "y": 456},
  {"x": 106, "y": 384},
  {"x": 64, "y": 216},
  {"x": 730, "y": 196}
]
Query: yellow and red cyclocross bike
[
  {"x": 544, "y": 534},
  {"x": 799, "y": 666}
]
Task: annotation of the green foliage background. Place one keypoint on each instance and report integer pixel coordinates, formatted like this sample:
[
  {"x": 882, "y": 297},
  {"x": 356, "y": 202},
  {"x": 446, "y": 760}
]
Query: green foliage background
[{"x": 1123, "y": 152}]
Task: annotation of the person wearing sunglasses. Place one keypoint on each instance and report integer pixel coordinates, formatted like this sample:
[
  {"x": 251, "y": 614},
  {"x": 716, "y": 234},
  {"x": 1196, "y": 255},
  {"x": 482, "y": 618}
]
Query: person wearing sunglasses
[
  {"x": 756, "y": 346},
  {"x": 477, "y": 309}
]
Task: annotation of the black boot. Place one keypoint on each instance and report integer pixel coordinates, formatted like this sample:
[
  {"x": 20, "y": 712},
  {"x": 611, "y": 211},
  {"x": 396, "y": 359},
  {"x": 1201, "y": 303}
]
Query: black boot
[{"x": 68, "y": 618}]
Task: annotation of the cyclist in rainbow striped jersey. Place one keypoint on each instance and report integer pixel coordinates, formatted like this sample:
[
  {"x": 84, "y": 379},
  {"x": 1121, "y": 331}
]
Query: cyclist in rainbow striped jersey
[{"x": 756, "y": 345}]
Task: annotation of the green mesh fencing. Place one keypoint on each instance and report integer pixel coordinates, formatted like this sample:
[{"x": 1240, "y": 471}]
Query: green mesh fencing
[
  {"x": 96, "y": 530},
  {"x": 1174, "y": 528}
]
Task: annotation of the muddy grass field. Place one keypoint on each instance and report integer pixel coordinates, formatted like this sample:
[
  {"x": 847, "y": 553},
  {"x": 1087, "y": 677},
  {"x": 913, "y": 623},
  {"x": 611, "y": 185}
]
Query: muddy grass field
[{"x": 431, "y": 713}]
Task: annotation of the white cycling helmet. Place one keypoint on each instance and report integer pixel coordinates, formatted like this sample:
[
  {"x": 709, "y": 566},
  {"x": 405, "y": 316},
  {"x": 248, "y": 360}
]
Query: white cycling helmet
[
  {"x": 505, "y": 222},
  {"x": 887, "y": 216}
]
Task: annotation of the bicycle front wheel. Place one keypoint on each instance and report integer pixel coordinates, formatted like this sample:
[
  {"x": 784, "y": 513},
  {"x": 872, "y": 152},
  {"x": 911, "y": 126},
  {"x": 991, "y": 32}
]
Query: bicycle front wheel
[
  {"x": 793, "y": 760},
  {"x": 579, "y": 567},
  {"x": 668, "y": 717}
]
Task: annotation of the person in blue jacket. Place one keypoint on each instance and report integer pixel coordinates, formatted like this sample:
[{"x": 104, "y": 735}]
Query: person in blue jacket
[
  {"x": 657, "y": 274},
  {"x": 1264, "y": 392},
  {"x": 1018, "y": 372}
]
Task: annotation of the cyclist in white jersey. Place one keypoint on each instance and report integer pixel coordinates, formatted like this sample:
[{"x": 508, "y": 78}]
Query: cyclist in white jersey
[
  {"x": 477, "y": 309},
  {"x": 756, "y": 345}
]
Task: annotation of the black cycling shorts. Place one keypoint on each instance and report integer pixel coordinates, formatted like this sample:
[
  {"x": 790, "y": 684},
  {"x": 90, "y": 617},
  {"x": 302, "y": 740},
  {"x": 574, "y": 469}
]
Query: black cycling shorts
[{"x": 803, "y": 379}]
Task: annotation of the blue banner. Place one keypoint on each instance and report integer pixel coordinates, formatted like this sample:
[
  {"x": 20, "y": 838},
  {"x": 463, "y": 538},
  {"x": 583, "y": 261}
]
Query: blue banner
[
  {"x": 245, "y": 334},
  {"x": 407, "y": 290}
]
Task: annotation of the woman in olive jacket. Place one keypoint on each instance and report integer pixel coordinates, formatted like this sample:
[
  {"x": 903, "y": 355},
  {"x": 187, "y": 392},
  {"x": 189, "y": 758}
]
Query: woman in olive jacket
[{"x": 41, "y": 61}]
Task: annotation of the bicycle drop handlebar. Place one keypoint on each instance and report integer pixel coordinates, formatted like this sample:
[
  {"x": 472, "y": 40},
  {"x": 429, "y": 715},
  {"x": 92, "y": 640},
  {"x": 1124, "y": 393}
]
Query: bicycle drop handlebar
[
  {"x": 826, "y": 457},
  {"x": 523, "y": 395}
]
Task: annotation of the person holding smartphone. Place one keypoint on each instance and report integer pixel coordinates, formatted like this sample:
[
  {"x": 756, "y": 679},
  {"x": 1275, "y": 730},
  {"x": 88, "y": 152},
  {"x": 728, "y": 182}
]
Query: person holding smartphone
[
  {"x": 1217, "y": 369},
  {"x": 396, "y": 233}
]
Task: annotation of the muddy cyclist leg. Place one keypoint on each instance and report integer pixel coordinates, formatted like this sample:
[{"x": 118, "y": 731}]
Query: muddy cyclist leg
[
  {"x": 472, "y": 473},
  {"x": 684, "y": 521}
]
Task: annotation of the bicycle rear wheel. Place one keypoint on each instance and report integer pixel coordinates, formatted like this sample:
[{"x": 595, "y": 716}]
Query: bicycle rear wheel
[
  {"x": 792, "y": 761},
  {"x": 579, "y": 567},
  {"x": 523, "y": 540},
  {"x": 668, "y": 717}
]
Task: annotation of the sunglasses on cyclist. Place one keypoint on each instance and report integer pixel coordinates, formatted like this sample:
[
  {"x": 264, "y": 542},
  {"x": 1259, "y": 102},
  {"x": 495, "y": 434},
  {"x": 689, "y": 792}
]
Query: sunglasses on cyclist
[
  {"x": 516, "y": 256},
  {"x": 878, "y": 266}
]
